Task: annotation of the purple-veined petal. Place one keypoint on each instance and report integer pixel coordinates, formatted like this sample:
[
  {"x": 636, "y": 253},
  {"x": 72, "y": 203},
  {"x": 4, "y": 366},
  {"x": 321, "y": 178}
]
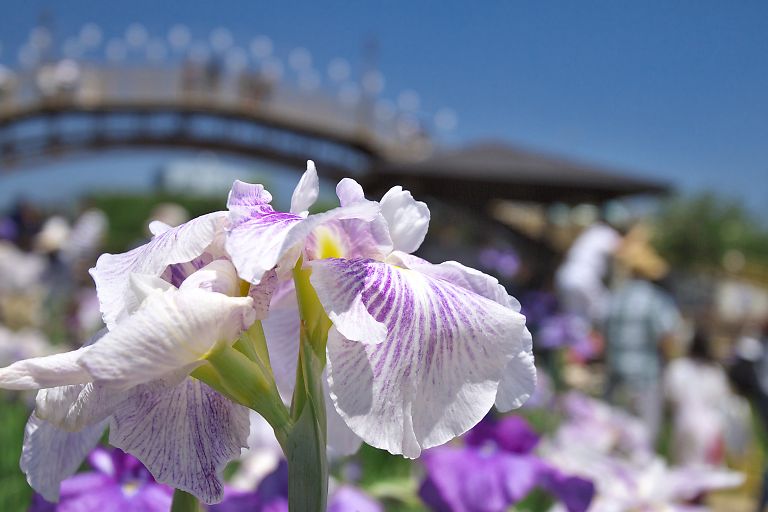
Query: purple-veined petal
[
  {"x": 519, "y": 379},
  {"x": 341, "y": 293},
  {"x": 306, "y": 192},
  {"x": 184, "y": 434},
  {"x": 50, "y": 454},
  {"x": 281, "y": 328},
  {"x": 45, "y": 372},
  {"x": 175, "y": 245},
  {"x": 260, "y": 239},
  {"x": 171, "y": 331},
  {"x": 407, "y": 218},
  {"x": 469, "y": 278},
  {"x": 435, "y": 374}
]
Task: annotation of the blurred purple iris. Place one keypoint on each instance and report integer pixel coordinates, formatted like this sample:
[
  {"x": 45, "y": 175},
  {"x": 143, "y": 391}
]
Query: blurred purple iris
[
  {"x": 537, "y": 305},
  {"x": 505, "y": 263},
  {"x": 565, "y": 330},
  {"x": 272, "y": 496},
  {"x": 496, "y": 469},
  {"x": 118, "y": 482}
]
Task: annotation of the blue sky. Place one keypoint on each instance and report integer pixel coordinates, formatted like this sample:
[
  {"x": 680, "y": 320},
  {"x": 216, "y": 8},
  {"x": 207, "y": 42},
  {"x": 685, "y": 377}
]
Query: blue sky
[{"x": 677, "y": 90}]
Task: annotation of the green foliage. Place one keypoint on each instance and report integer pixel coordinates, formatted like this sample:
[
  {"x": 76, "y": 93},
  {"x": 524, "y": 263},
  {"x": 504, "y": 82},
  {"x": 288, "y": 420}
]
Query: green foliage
[
  {"x": 129, "y": 214},
  {"x": 698, "y": 231},
  {"x": 15, "y": 494}
]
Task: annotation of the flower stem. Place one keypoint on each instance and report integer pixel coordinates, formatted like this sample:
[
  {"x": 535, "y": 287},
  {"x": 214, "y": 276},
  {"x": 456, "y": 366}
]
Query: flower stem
[
  {"x": 185, "y": 502},
  {"x": 306, "y": 447}
]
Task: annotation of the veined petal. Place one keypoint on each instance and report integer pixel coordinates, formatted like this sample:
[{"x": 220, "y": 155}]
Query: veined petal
[
  {"x": 306, "y": 192},
  {"x": 50, "y": 454},
  {"x": 73, "y": 408},
  {"x": 435, "y": 374},
  {"x": 281, "y": 328},
  {"x": 45, "y": 372},
  {"x": 184, "y": 434},
  {"x": 407, "y": 218},
  {"x": 519, "y": 379},
  {"x": 171, "y": 331},
  {"x": 175, "y": 245},
  {"x": 260, "y": 239}
]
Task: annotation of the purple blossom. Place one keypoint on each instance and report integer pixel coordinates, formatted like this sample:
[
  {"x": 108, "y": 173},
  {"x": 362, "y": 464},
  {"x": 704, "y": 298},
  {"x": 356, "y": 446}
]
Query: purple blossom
[
  {"x": 567, "y": 331},
  {"x": 495, "y": 470},
  {"x": 119, "y": 482},
  {"x": 537, "y": 305},
  {"x": 503, "y": 262}
]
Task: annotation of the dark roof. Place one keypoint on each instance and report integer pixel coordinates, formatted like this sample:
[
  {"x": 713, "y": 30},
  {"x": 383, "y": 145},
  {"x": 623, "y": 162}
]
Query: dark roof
[{"x": 491, "y": 170}]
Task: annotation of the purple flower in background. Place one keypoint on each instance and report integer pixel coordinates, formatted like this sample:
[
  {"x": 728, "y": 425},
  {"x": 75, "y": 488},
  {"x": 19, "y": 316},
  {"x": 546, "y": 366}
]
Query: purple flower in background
[
  {"x": 505, "y": 263},
  {"x": 272, "y": 496},
  {"x": 537, "y": 305},
  {"x": 118, "y": 482},
  {"x": 565, "y": 330},
  {"x": 495, "y": 470}
]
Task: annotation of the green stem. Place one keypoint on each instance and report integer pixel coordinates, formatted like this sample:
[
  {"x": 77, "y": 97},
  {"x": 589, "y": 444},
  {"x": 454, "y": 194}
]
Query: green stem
[
  {"x": 306, "y": 447},
  {"x": 185, "y": 502}
]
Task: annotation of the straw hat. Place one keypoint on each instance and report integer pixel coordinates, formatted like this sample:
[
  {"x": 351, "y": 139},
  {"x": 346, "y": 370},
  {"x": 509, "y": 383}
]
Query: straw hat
[{"x": 638, "y": 256}]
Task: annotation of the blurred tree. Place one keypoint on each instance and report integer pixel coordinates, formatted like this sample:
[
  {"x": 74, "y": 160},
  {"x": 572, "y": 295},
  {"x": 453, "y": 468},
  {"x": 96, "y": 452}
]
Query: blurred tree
[{"x": 700, "y": 231}]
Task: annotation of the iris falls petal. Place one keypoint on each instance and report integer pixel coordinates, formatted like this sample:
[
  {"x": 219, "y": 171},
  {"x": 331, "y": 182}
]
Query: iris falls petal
[
  {"x": 436, "y": 372},
  {"x": 184, "y": 434}
]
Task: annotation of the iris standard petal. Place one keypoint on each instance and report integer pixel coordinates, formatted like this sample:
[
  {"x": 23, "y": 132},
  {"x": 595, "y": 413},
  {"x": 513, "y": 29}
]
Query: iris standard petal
[
  {"x": 306, "y": 192},
  {"x": 407, "y": 218},
  {"x": 50, "y": 454},
  {"x": 436, "y": 372},
  {"x": 171, "y": 331},
  {"x": 175, "y": 245},
  {"x": 260, "y": 239},
  {"x": 184, "y": 434}
]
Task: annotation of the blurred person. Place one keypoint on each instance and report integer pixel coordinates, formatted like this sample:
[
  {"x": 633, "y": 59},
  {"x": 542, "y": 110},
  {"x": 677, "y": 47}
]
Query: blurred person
[
  {"x": 699, "y": 411},
  {"x": 580, "y": 280},
  {"x": 749, "y": 373},
  {"x": 640, "y": 323}
]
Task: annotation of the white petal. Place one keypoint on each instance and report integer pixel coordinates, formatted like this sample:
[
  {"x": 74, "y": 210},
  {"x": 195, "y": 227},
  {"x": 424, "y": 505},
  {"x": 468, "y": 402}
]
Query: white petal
[
  {"x": 142, "y": 286},
  {"x": 281, "y": 328},
  {"x": 342, "y": 441},
  {"x": 469, "y": 278},
  {"x": 218, "y": 276},
  {"x": 50, "y": 454},
  {"x": 519, "y": 379},
  {"x": 342, "y": 299},
  {"x": 349, "y": 192},
  {"x": 158, "y": 227},
  {"x": 408, "y": 219},
  {"x": 437, "y": 372},
  {"x": 75, "y": 407},
  {"x": 306, "y": 192},
  {"x": 176, "y": 245},
  {"x": 45, "y": 372},
  {"x": 171, "y": 331},
  {"x": 184, "y": 435}
]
